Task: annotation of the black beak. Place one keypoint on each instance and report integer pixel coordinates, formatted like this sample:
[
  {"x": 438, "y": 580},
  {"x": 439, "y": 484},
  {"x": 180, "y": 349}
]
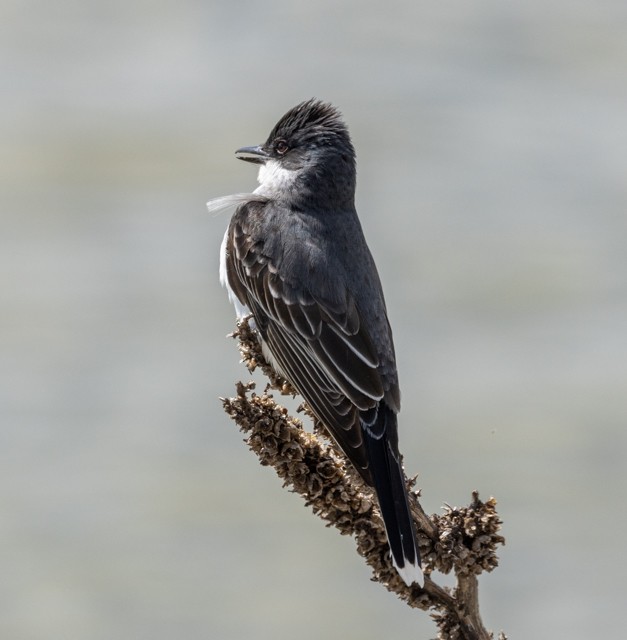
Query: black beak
[{"x": 252, "y": 154}]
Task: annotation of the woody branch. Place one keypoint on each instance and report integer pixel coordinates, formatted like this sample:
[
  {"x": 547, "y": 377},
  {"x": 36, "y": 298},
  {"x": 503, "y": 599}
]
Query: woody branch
[{"x": 461, "y": 540}]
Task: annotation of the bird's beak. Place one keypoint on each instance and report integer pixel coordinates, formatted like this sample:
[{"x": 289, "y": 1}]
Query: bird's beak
[{"x": 252, "y": 154}]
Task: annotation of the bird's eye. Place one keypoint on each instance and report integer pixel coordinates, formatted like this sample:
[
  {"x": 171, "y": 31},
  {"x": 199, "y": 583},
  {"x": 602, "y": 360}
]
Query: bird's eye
[{"x": 281, "y": 147}]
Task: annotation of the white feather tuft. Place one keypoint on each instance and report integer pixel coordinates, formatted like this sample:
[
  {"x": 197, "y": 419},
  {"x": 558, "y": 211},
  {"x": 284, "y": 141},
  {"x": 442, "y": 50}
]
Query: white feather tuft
[{"x": 224, "y": 202}]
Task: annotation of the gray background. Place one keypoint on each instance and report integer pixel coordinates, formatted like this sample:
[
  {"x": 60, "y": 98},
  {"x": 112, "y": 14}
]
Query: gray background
[{"x": 492, "y": 153}]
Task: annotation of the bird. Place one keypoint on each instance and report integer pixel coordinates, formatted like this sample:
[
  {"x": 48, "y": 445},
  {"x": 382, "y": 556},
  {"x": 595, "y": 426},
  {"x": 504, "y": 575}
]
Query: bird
[{"x": 294, "y": 256}]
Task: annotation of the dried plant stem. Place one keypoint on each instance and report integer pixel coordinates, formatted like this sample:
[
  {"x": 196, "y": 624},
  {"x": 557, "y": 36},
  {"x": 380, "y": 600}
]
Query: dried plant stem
[{"x": 462, "y": 540}]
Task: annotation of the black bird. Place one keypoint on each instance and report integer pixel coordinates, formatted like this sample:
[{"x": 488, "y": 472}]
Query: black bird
[{"x": 294, "y": 255}]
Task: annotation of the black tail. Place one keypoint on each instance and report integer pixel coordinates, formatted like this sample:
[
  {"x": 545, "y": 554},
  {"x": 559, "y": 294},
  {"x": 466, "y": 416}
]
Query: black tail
[{"x": 381, "y": 438}]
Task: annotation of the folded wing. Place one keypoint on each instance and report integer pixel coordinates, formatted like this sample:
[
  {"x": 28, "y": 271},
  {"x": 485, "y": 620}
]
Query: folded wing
[{"x": 320, "y": 346}]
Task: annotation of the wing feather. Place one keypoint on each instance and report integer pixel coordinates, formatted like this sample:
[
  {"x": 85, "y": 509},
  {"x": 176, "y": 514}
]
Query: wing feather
[{"x": 320, "y": 345}]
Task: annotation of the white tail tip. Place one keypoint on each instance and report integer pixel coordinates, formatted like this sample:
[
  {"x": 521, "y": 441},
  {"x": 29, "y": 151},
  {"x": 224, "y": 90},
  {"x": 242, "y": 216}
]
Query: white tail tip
[{"x": 411, "y": 574}]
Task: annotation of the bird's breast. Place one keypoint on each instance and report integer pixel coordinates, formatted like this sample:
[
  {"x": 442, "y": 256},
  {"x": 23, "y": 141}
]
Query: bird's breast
[{"x": 241, "y": 310}]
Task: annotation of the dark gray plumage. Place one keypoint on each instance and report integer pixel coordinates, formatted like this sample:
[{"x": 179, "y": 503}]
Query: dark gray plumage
[{"x": 295, "y": 257}]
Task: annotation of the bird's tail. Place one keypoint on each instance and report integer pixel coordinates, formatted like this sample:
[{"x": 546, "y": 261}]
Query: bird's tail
[{"x": 389, "y": 483}]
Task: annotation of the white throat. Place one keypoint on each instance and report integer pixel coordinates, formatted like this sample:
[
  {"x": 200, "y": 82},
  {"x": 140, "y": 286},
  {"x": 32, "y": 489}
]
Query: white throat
[{"x": 273, "y": 178}]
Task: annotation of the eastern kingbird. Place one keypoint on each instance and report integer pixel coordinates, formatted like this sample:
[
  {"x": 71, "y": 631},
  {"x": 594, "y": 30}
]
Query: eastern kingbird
[{"x": 295, "y": 257}]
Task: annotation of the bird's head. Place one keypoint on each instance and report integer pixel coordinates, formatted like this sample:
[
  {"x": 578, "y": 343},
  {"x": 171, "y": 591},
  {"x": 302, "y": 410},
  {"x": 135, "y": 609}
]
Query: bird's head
[{"x": 307, "y": 154}]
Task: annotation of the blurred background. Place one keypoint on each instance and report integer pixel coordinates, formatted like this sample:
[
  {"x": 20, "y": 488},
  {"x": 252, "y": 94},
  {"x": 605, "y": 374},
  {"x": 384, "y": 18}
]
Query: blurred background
[{"x": 492, "y": 156}]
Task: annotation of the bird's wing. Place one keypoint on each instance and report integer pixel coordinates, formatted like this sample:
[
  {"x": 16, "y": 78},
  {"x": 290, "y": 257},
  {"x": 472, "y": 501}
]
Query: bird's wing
[{"x": 321, "y": 347}]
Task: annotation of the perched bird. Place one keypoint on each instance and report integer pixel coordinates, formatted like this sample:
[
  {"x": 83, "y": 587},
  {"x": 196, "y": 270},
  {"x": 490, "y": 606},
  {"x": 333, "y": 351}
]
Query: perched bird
[{"x": 295, "y": 257}]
